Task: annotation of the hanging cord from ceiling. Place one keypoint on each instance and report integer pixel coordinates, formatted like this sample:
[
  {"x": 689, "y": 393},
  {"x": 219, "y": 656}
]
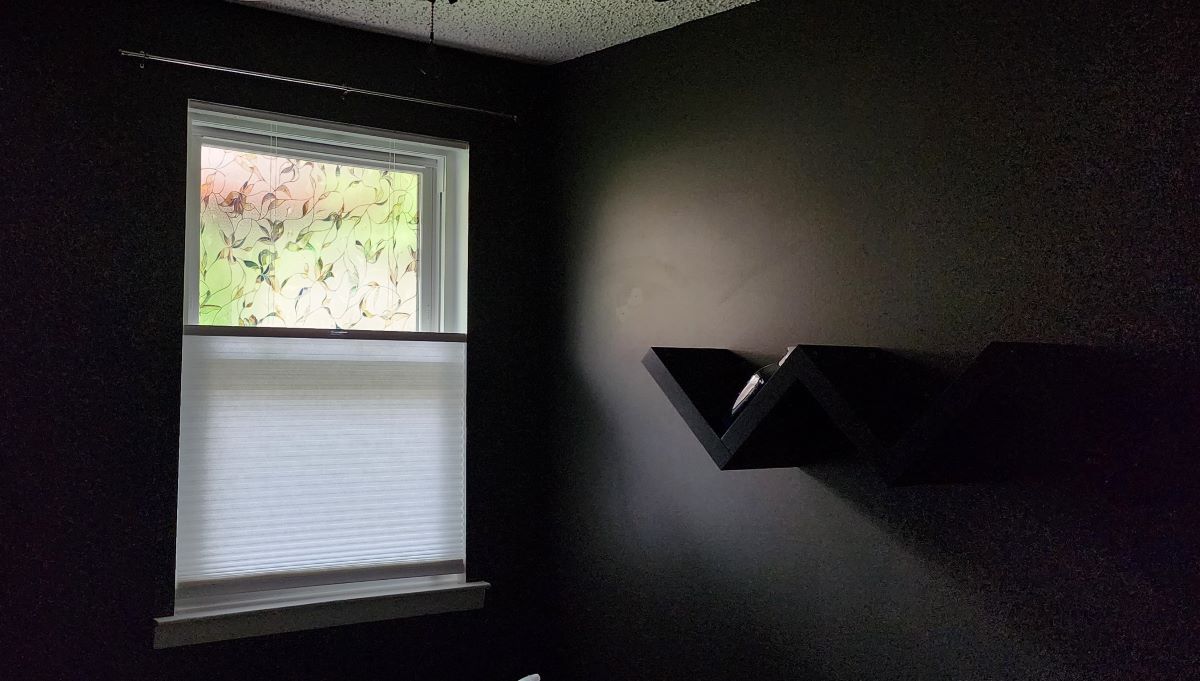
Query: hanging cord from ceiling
[{"x": 431, "y": 67}]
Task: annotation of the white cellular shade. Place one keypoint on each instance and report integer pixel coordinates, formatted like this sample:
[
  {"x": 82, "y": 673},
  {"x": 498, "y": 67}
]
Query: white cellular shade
[{"x": 326, "y": 460}]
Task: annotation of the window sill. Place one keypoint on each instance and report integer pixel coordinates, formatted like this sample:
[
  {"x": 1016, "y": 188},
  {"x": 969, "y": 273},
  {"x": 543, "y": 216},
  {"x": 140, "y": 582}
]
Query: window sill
[{"x": 301, "y": 609}]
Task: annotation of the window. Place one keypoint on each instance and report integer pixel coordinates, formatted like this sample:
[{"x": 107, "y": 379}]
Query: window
[{"x": 322, "y": 409}]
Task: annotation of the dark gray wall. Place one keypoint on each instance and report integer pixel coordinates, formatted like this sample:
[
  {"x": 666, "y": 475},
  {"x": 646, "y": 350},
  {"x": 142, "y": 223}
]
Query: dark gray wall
[
  {"x": 94, "y": 182},
  {"x": 921, "y": 179}
]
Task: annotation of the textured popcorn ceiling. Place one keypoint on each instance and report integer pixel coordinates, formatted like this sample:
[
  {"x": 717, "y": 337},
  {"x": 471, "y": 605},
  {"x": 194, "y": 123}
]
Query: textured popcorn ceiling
[{"x": 531, "y": 30}]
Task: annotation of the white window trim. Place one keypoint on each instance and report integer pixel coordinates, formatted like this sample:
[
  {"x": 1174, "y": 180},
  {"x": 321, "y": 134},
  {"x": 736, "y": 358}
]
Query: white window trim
[
  {"x": 205, "y": 617},
  {"x": 443, "y": 164},
  {"x": 287, "y": 610}
]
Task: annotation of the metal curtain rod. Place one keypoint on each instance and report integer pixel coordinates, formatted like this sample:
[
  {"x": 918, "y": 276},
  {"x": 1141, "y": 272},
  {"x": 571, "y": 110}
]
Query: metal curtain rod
[{"x": 314, "y": 83}]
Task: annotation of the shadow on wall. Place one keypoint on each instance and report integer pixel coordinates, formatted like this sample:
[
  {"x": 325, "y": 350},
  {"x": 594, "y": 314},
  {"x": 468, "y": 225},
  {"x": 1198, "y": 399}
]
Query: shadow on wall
[
  {"x": 1075, "y": 567},
  {"x": 1080, "y": 565},
  {"x": 1073, "y": 515},
  {"x": 824, "y": 572},
  {"x": 768, "y": 574}
]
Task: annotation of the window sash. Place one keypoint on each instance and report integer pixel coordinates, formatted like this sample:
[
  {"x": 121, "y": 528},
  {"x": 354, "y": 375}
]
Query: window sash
[{"x": 441, "y": 260}]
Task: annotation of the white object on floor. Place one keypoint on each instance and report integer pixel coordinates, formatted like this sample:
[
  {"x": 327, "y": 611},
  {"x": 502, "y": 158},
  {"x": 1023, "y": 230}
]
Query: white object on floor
[{"x": 531, "y": 677}]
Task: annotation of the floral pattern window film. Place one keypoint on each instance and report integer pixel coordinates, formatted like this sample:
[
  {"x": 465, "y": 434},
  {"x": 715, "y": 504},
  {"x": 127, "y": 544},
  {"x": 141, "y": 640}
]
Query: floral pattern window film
[{"x": 290, "y": 242}]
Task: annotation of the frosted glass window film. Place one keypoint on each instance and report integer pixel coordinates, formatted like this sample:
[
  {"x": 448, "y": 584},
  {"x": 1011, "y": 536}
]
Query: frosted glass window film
[{"x": 290, "y": 242}]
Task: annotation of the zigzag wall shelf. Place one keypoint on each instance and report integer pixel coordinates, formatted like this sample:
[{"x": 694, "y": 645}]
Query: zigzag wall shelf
[{"x": 830, "y": 401}]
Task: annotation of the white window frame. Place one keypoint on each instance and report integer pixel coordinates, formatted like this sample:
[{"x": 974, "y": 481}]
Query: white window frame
[
  {"x": 442, "y": 291},
  {"x": 442, "y": 164}
]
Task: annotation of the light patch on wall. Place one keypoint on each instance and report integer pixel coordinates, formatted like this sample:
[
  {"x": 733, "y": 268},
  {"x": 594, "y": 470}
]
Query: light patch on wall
[{"x": 635, "y": 300}]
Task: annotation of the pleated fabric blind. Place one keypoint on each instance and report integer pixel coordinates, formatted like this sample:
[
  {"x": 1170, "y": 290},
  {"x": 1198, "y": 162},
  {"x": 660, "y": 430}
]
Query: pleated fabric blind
[{"x": 308, "y": 461}]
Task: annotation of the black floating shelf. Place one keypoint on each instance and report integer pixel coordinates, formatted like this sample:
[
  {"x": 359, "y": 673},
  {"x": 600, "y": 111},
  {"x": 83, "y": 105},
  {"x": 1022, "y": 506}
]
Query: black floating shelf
[{"x": 911, "y": 423}]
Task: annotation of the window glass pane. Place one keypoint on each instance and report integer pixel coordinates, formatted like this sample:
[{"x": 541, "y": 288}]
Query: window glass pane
[{"x": 289, "y": 242}]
